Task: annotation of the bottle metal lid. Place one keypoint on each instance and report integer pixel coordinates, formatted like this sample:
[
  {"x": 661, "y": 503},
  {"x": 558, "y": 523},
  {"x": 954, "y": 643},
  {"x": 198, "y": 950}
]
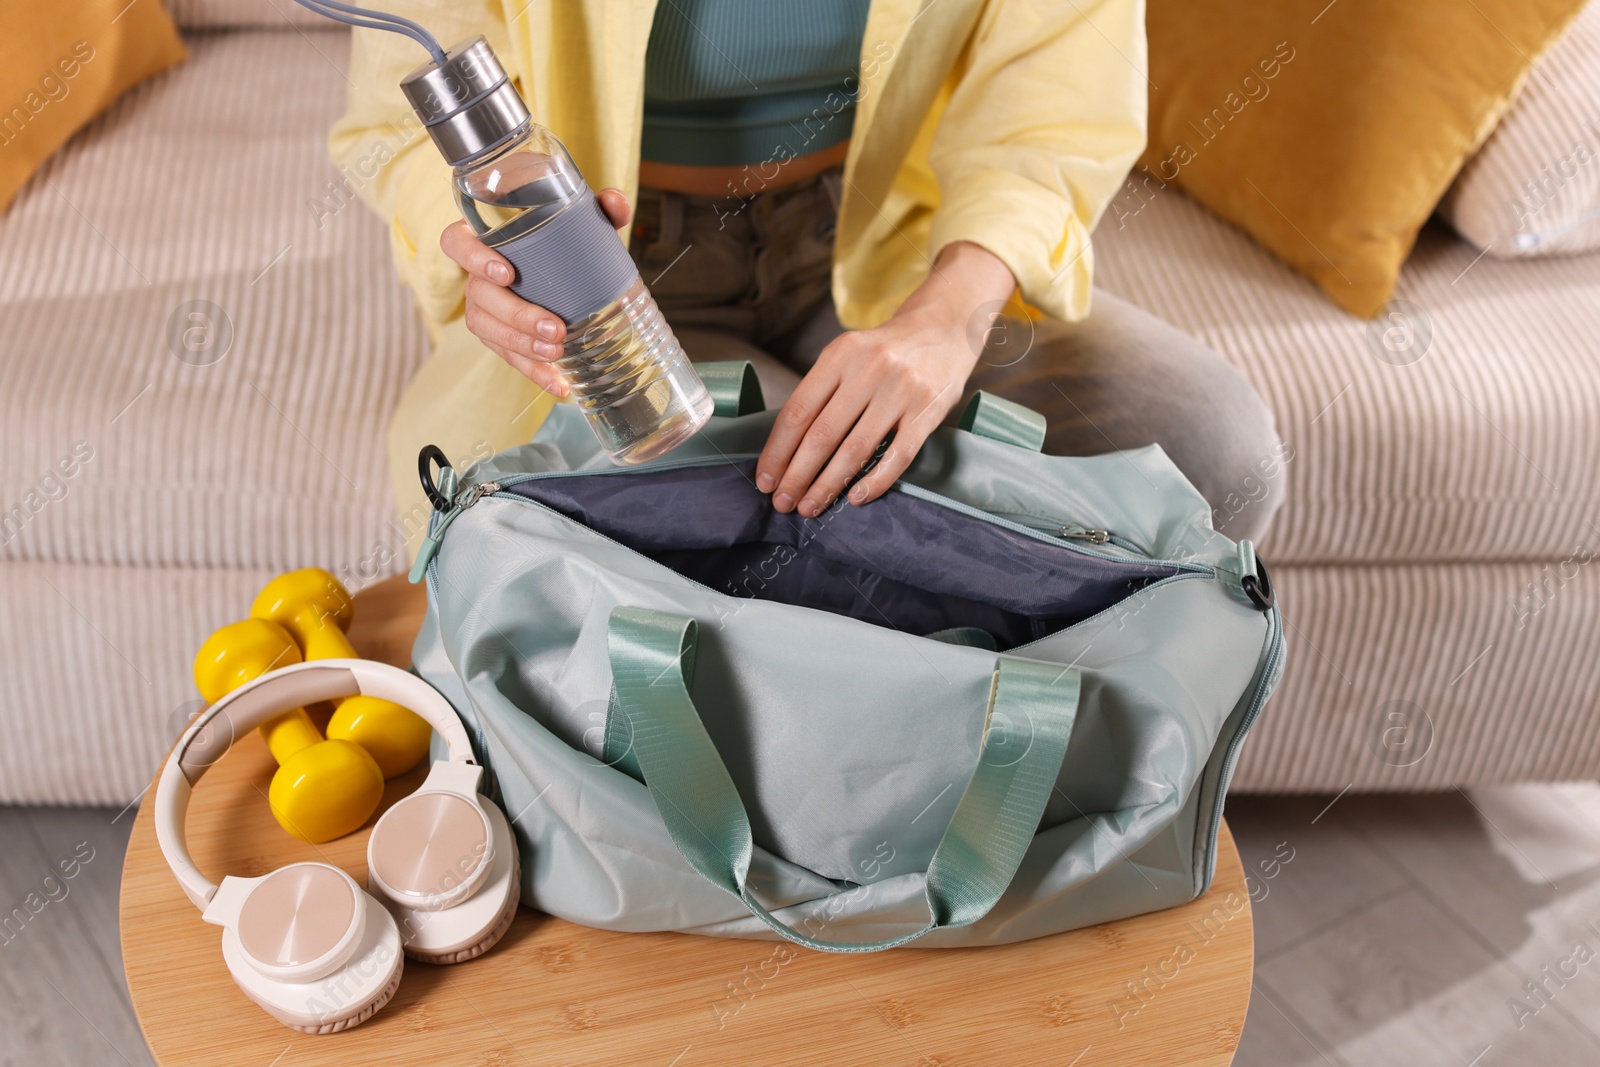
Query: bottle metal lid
[{"x": 467, "y": 103}]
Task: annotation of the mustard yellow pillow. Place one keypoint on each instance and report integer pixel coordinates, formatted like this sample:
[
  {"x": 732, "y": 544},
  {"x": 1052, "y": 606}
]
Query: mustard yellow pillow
[
  {"x": 63, "y": 64},
  {"x": 1329, "y": 130}
]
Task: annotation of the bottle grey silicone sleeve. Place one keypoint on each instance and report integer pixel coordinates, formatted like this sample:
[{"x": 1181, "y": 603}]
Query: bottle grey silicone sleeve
[{"x": 573, "y": 265}]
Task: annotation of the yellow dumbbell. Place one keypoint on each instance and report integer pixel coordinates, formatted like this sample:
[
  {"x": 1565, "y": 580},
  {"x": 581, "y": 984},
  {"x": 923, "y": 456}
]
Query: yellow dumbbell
[
  {"x": 396, "y": 737},
  {"x": 326, "y": 790},
  {"x": 322, "y": 789},
  {"x": 241, "y": 652},
  {"x": 314, "y": 606}
]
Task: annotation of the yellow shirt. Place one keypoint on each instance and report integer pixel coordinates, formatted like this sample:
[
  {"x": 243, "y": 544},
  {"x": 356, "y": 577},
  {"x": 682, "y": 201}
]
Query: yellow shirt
[{"x": 1007, "y": 123}]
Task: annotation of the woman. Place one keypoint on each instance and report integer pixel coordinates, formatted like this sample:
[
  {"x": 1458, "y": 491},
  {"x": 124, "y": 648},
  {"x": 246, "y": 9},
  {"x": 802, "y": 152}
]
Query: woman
[{"x": 846, "y": 197}]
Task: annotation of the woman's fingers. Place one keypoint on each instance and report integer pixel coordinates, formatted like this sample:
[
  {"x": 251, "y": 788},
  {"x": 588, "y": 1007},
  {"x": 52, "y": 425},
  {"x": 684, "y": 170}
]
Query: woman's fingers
[
  {"x": 909, "y": 437},
  {"x": 541, "y": 332},
  {"x": 827, "y": 432},
  {"x": 514, "y": 347},
  {"x": 526, "y": 336},
  {"x": 851, "y": 457},
  {"x": 488, "y": 274},
  {"x": 789, "y": 429},
  {"x": 473, "y": 256},
  {"x": 536, "y": 371},
  {"x": 614, "y": 202}
]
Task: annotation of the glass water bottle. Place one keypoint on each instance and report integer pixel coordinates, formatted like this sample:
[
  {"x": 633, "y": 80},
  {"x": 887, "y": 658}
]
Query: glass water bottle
[{"x": 521, "y": 193}]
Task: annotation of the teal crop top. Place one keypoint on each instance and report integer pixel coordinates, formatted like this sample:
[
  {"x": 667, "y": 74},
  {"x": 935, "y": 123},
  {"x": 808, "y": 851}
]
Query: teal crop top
[{"x": 728, "y": 82}]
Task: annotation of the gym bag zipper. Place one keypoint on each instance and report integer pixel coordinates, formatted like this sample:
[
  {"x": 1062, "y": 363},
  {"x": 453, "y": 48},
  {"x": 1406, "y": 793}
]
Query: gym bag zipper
[
  {"x": 1269, "y": 680},
  {"x": 1074, "y": 536}
]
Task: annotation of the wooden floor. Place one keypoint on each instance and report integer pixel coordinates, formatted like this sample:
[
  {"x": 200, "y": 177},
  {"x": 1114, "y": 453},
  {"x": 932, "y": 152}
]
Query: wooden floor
[
  {"x": 1403, "y": 929},
  {"x": 60, "y": 969},
  {"x": 1389, "y": 930}
]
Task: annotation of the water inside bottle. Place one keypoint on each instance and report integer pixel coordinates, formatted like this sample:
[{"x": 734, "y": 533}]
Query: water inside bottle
[
  {"x": 624, "y": 366},
  {"x": 632, "y": 379}
]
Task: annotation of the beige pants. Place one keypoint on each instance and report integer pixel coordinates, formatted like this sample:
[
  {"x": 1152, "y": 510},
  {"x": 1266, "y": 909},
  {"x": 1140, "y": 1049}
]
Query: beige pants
[{"x": 750, "y": 280}]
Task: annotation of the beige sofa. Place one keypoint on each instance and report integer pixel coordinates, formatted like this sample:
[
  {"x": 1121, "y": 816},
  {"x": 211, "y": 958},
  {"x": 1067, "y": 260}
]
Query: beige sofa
[{"x": 1441, "y": 490}]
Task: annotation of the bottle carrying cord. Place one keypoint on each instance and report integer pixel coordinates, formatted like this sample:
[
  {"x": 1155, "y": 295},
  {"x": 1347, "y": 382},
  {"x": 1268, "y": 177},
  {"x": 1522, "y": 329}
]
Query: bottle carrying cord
[{"x": 376, "y": 20}]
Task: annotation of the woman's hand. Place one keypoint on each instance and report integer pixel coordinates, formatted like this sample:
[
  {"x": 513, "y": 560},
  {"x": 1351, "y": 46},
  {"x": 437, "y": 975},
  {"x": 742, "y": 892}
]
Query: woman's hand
[
  {"x": 904, "y": 376},
  {"x": 524, "y": 335}
]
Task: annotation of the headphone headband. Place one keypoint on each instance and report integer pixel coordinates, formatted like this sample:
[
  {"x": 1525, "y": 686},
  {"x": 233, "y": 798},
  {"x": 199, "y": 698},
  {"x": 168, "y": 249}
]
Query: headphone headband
[{"x": 216, "y": 728}]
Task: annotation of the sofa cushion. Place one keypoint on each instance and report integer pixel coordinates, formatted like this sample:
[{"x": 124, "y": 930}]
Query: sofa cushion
[
  {"x": 1463, "y": 424},
  {"x": 204, "y": 335},
  {"x": 1429, "y": 676},
  {"x": 1534, "y": 188},
  {"x": 94, "y": 672}
]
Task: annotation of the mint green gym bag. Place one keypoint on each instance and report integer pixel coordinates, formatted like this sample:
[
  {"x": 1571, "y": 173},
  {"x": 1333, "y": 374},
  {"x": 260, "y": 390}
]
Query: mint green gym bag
[{"x": 1001, "y": 701}]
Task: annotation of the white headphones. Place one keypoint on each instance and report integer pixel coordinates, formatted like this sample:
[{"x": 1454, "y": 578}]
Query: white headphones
[{"x": 306, "y": 942}]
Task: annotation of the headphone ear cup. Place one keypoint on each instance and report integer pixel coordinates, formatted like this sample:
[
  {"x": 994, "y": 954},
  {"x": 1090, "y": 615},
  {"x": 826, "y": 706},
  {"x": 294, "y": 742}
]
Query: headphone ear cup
[
  {"x": 347, "y": 1022},
  {"x": 467, "y": 924},
  {"x": 502, "y": 921},
  {"x": 347, "y": 997}
]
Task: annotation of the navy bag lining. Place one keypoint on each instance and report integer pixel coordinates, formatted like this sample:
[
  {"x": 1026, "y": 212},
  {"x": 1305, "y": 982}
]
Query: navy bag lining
[{"x": 902, "y": 561}]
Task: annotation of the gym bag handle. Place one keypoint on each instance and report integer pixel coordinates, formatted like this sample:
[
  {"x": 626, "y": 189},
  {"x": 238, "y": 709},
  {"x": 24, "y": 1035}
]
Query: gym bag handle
[
  {"x": 733, "y": 385},
  {"x": 1003, "y": 420},
  {"x": 652, "y": 656}
]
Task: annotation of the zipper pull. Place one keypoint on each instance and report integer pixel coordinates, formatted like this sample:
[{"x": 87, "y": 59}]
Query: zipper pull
[
  {"x": 475, "y": 493},
  {"x": 430, "y": 544},
  {"x": 1074, "y": 532}
]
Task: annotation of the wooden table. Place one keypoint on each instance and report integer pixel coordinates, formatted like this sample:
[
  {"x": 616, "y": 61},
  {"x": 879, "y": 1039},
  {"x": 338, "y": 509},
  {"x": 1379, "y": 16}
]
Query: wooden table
[{"x": 557, "y": 994}]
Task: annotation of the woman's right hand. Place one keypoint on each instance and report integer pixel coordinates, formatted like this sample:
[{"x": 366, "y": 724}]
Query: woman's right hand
[{"x": 524, "y": 335}]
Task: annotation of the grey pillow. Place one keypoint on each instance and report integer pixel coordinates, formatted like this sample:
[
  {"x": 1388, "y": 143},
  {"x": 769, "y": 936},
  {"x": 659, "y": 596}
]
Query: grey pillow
[{"x": 1534, "y": 187}]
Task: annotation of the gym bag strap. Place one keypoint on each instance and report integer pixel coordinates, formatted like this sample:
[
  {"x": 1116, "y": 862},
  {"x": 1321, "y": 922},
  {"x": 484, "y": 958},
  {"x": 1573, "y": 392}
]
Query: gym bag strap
[{"x": 652, "y": 662}]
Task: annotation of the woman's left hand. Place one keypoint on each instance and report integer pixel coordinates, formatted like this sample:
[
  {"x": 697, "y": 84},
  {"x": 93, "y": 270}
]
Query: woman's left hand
[{"x": 904, "y": 376}]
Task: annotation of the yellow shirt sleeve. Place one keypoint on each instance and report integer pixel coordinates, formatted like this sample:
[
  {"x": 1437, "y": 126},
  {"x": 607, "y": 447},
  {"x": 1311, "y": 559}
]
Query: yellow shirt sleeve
[{"x": 1040, "y": 130}]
